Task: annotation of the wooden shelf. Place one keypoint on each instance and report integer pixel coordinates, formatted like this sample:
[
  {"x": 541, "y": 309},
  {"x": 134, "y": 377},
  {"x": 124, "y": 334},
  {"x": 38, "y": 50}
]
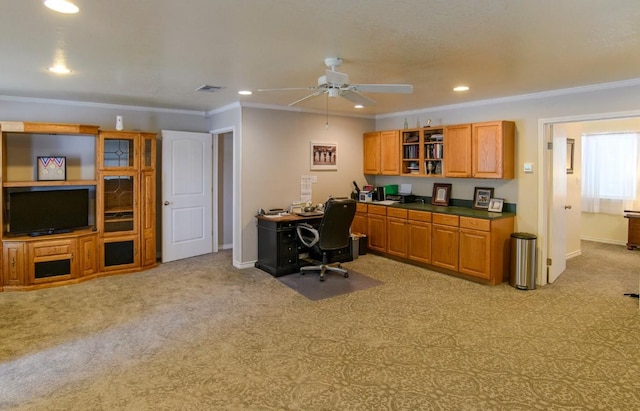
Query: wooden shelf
[
  {"x": 47, "y": 128},
  {"x": 49, "y": 183}
]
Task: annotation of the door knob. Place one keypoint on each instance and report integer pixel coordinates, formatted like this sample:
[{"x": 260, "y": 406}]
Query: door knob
[
  {"x": 567, "y": 207},
  {"x": 167, "y": 203}
]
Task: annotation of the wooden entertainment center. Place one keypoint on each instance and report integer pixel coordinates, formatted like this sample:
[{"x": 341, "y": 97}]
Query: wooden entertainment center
[{"x": 118, "y": 168}]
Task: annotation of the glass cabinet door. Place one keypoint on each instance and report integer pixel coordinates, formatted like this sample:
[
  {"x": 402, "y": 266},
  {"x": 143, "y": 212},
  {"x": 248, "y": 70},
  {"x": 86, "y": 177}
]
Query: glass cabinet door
[
  {"x": 148, "y": 151},
  {"x": 120, "y": 202},
  {"x": 118, "y": 150}
]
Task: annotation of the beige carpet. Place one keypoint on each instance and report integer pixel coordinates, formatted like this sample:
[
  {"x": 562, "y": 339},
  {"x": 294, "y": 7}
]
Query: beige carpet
[{"x": 201, "y": 335}]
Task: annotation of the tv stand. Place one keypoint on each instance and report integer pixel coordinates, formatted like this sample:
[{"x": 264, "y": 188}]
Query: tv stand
[{"x": 119, "y": 167}]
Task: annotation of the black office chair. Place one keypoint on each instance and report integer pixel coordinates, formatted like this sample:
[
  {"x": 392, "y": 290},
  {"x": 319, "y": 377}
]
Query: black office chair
[{"x": 332, "y": 234}]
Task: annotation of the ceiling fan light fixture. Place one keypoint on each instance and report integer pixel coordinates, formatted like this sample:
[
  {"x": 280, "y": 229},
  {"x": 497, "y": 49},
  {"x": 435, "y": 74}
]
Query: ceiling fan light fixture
[
  {"x": 333, "y": 92},
  {"x": 61, "y": 6},
  {"x": 358, "y": 106}
]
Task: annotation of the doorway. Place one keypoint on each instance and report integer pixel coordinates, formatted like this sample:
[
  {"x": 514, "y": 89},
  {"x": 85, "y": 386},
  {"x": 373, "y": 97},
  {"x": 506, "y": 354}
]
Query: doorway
[
  {"x": 558, "y": 203},
  {"x": 223, "y": 191}
]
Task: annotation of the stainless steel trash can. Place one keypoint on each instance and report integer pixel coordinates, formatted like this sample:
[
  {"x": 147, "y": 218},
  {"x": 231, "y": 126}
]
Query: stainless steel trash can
[
  {"x": 523, "y": 261},
  {"x": 355, "y": 240}
]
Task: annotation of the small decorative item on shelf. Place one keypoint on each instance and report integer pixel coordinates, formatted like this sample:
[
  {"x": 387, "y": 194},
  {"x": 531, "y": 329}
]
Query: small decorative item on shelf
[
  {"x": 495, "y": 205},
  {"x": 438, "y": 168},
  {"x": 481, "y": 197},
  {"x": 52, "y": 168},
  {"x": 429, "y": 167}
]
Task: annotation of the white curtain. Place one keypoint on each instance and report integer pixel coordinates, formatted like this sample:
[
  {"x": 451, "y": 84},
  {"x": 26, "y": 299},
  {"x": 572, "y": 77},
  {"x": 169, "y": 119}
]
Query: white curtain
[{"x": 610, "y": 172}]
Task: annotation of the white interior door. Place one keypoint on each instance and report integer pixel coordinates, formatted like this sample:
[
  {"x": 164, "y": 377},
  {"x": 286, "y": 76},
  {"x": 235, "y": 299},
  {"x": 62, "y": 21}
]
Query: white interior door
[
  {"x": 186, "y": 194},
  {"x": 557, "y": 244}
]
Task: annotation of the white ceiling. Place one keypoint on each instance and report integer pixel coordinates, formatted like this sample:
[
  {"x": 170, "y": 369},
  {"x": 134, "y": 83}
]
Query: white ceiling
[{"x": 155, "y": 53}]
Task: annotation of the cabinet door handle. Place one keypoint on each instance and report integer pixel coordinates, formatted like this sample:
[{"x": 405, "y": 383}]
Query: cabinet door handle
[{"x": 13, "y": 262}]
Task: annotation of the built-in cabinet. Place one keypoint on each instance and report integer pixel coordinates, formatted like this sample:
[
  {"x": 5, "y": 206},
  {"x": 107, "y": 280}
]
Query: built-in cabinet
[
  {"x": 127, "y": 208},
  {"x": 359, "y": 224},
  {"x": 382, "y": 153},
  {"x": 475, "y": 248},
  {"x": 422, "y": 152},
  {"x": 478, "y": 150},
  {"x": 377, "y": 227},
  {"x": 118, "y": 167}
]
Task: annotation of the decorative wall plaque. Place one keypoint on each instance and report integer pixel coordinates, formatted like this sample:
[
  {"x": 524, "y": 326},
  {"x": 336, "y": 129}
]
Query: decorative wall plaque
[{"x": 52, "y": 168}]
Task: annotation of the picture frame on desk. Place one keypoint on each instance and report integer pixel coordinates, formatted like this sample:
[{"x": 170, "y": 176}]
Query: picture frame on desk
[
  {"x": 323, "y": 156},
  {"x": 441, "y": 194},
  {"x": 481, "y": 197}
]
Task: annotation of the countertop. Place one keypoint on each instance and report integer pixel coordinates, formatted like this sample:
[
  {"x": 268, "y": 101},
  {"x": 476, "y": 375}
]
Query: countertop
[{"x": 459, "y": 211}]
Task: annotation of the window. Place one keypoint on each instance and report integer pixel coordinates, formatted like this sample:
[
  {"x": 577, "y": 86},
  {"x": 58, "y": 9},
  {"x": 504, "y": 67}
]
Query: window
[{"x": 609, "y": 172}]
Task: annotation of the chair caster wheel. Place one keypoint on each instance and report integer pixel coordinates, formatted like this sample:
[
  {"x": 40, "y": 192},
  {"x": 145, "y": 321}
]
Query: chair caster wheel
[
  {"x": 321, "y": 278},
  {"x": 346, "y": 275}
]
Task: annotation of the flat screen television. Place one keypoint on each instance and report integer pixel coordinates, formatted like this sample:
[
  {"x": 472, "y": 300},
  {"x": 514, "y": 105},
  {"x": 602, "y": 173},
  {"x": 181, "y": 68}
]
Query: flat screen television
[{"x": 48, "y": 211}]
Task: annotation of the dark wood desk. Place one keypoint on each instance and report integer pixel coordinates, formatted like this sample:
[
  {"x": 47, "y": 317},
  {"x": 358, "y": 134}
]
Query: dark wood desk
[{"x": 279, "y": 248}]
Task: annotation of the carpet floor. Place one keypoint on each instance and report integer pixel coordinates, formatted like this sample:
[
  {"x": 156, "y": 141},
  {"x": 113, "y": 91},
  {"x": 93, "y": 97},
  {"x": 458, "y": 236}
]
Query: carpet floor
[{"x": 198, "y": 334}]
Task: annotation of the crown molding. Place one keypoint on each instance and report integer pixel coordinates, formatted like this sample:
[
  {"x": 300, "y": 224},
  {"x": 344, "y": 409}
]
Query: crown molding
[
  {"x": 520, "y": 97},
  {"x": 74, "y": 103}
]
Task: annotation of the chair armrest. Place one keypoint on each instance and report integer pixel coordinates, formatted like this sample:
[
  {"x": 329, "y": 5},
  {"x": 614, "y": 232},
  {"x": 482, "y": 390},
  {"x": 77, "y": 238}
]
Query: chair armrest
[{"x": 308, "y": 235}]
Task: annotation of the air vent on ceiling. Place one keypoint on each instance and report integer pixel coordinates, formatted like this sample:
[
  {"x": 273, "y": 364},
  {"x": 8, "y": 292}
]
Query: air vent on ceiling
[{"x": 209, "y": 89}]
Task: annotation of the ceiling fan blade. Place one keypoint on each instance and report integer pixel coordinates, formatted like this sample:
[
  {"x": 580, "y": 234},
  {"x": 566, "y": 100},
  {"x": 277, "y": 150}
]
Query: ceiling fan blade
[
  {"x": 383, "y": 88},
  {"x": 286, "y": 89},
  {"x": 357, "y": 98},
  {"x": 317, "y": 93},
  {"x": 336, "y": 78}
]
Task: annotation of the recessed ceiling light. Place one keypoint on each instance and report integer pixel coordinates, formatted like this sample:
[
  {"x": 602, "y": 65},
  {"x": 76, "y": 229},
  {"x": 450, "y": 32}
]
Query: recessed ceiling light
[
  {"x": 58, "y": 69},
  {"x": 245, "y": 92},
  {"x": 62, "y": 6},
  {"x": 358, "y": 106},
  {"x": 461, "y": 88}
]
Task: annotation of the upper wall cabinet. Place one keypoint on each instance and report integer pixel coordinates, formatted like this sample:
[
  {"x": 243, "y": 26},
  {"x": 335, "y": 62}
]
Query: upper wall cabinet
[
  {"x": 457, "y": 151},
  {"x": 382, "y": 153},
  {"x": 422, "y": 152},
  {"x": 492, "y": 146},
  {"x": 478, "y": 150}
]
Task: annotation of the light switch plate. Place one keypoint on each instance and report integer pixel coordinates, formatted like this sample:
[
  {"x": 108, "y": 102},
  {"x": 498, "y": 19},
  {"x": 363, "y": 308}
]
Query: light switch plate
[{"x": 528, "y": 167}]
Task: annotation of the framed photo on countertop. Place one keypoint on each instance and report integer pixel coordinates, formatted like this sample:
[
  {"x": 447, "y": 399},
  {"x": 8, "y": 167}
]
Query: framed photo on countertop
[
  {"x": 495, "y": 205},
  {"x": 481, "y": 197},
  {"x": 441, "y": 194}
]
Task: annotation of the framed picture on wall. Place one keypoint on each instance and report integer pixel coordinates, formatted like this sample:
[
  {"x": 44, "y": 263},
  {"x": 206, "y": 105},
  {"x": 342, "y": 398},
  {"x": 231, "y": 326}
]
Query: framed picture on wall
[
  {"x": 324, "y": 156},
  {"x": 481, "y": 197}
]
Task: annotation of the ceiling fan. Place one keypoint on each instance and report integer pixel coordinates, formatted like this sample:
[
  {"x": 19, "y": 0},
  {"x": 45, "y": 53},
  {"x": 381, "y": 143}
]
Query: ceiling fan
[{"x": 336, "y": 84}]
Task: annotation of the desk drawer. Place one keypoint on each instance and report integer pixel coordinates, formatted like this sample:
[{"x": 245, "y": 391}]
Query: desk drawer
[
  {"x": 420, "y": 215},
  {"x": 377, "y": 209},
  {"x": 361, "y": 207},
  {"x": 396, "y": 212},
  {"x": 475, "y": 224},
  {"x": 445, "y": 219}
]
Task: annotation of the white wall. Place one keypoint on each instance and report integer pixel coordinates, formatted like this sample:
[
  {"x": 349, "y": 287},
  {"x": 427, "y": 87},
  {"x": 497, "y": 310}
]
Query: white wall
[{"x": 276, "y": 153}]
